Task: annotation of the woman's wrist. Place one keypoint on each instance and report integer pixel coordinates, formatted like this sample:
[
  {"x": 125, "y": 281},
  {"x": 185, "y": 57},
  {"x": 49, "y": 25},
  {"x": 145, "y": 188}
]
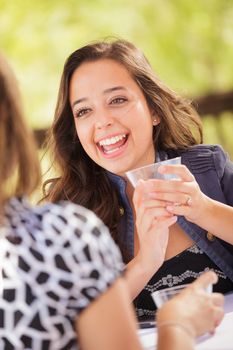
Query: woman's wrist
[
  {"x": 175, "y": 335},
  {"x": 176, "y": 324},
  {"x": 147, "y": 266},
  {"x": 144, "y": 268},
  {"x": 138, "y": 273},
  {"x": 136, "y": 277},
  {"x": 206, "y": 210},
  {"x": 181, "y": 321}
]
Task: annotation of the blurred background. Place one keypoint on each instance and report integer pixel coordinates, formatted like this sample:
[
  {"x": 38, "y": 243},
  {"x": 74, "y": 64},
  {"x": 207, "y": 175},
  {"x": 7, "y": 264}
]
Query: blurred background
[{"x": 189, "y": 44}]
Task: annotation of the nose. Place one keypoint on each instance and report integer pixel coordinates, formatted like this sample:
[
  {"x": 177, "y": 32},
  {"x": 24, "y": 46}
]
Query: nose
[
  {"x": 103, "y": 120},
  {"x": 101, "y": 125}
]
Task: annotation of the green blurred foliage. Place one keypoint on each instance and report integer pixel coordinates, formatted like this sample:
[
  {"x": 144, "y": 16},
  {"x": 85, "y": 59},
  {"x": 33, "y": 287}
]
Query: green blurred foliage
[{"x": 189, "y": 43}]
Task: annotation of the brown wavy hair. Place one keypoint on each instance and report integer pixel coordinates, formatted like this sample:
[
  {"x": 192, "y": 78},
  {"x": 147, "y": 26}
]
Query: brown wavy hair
[
  {"x": 20, "y": 170},
  {"x": 79, "y": 178}
]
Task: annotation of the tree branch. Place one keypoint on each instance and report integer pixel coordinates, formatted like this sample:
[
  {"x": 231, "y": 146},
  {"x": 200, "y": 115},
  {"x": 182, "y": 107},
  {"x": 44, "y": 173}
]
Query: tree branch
[{"x": 215, "y": 103}]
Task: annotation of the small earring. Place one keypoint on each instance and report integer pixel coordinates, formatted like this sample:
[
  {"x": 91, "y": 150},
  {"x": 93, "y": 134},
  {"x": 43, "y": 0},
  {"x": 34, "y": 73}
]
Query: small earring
[{"x": 154, "y": 121}]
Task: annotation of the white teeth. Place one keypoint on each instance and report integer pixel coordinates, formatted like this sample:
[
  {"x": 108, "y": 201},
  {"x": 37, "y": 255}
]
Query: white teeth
[
  {"x": 112, "y": 140},
  {"x": 111, "y": 151}
]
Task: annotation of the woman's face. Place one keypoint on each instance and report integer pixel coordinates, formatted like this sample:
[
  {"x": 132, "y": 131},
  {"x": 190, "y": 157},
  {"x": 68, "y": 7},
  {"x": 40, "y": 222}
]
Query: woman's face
[{"x": 113, "y": 121}]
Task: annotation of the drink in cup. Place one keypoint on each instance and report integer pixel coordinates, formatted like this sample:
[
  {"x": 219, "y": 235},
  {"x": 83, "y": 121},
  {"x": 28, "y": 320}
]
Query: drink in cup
[
  {"x": 151, "y": 171},
  {"x": 163, "y": 295}
]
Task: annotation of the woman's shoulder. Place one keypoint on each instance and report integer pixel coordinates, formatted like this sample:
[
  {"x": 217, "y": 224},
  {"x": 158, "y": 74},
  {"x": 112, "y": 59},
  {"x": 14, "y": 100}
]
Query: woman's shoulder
[
  {"x": 201, "y": 158},
  {"x": 67, "y": 241},
  {"x": 19, "y": 211},
  {"x": 73, "y": 222},
  {"x": 200, "y": 150},
  {"x": 62, "y": 223},
  {"x": 203, "y": 150}
]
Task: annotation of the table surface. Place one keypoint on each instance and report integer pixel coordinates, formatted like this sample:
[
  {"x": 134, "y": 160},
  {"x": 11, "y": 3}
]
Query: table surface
[{"x": 221, "y": 340}]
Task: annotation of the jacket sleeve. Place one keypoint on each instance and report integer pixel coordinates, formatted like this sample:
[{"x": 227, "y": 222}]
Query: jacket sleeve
[
  {"x": 224, "y": 167},
  {"x": 213, "y": 171}
]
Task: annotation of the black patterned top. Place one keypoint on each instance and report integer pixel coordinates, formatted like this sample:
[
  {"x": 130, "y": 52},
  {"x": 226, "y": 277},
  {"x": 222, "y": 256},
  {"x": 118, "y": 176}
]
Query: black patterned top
[
  {"x": 183, "y": 268},
  {"x": 55, "y": 260}
]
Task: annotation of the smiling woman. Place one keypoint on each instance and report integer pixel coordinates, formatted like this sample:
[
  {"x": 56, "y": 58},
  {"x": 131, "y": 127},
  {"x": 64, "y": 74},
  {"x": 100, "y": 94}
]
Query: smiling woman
[
  {"x": 114, "y": 114},
  {"x": 109, "y": 116}
]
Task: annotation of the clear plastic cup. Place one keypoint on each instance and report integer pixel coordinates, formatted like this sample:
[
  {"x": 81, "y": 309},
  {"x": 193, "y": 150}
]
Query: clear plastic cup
[
  {"x": 151, "y": 171},
  {"x": 161, "y": 296}
]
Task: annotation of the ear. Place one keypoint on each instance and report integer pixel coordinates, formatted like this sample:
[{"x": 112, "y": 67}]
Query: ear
[{"x": 155, "y": 119}]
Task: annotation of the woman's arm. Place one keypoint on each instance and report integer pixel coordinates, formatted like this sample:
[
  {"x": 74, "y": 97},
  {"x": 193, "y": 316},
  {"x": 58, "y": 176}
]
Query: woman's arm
[
  {"x": 150, "y": 239},
  {"x": 109, "y": 322},
  {"x": 217, "y": 218}
]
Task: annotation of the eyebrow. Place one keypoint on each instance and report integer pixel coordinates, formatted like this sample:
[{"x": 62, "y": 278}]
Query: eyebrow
[{"x": 107, "y": 91}]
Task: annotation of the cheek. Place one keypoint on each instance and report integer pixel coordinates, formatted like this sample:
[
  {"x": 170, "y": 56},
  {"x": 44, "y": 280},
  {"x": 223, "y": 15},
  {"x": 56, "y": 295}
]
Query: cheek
[
  {"x": 81, "y": 131},
  {"x": 84, "y": 135},
  {"x": 143, "y": 113}
]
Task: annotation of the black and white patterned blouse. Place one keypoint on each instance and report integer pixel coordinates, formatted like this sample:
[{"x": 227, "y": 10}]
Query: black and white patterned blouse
[{"x": 54, "y": 260}]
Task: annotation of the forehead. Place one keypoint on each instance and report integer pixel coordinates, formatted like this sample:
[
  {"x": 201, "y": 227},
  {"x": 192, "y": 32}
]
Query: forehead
[{"x": 103, "y": 72}]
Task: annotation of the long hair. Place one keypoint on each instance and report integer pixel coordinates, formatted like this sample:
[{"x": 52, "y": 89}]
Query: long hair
[
  {"x": 79, "y": 178},
  {"x": 20, "y": 173}
]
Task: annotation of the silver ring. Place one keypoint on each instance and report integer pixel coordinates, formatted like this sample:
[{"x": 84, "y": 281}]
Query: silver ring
[{"x": 189, "y": 201}]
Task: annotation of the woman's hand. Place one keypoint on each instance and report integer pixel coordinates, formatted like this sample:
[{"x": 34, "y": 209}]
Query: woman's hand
[
  {"x": 183, "y": 196},
  {"x": 194, "y": 310},
  {"x": 152, "y": 229},
  {"x": 152, "y": 224}
]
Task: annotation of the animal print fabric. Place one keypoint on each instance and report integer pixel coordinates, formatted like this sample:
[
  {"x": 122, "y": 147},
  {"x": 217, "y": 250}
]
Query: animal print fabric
[{"x": 55, "y": 260}]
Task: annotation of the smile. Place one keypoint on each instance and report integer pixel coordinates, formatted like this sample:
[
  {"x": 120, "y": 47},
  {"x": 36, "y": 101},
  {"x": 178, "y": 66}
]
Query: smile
[
  {"x": 112, "y": 145},
  {"x": 112, "y": 140}
]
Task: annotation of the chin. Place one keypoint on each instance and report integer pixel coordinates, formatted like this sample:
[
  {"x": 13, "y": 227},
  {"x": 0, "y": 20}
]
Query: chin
[{"x": 116, "y": 171}]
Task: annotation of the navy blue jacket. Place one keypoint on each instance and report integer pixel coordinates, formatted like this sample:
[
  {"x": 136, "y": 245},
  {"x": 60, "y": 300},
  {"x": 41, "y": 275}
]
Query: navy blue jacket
[{"x": 213, "y": 171}]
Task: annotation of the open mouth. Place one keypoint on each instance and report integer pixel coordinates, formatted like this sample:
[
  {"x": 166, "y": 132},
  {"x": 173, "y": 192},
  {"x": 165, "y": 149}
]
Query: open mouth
[{"x": 113, "y": 144}]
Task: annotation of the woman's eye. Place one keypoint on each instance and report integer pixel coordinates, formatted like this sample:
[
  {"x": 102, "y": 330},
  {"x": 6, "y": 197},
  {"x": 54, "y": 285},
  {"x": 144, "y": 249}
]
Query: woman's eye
[
  {"x": 118, "y": 100},
  {"x": 81, "y": 112}
]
